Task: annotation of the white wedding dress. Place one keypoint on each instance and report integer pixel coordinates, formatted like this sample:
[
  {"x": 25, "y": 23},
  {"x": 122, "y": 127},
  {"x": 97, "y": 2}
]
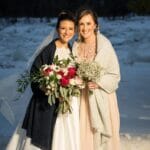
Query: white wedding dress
[{"x": 66, "y": 131}]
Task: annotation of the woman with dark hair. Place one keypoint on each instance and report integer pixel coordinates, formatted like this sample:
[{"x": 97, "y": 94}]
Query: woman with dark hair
[
  {"x": 99, "y": 115},
  {"x": 40, "y": 117}
]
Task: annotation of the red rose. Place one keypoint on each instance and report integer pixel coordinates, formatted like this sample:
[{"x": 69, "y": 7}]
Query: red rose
[
  {"x": 60, "y": 73},
  {"x": 64, "y": 81},
  {"x": 71, "y": 72},
  {"x": 47, "y": 71}
]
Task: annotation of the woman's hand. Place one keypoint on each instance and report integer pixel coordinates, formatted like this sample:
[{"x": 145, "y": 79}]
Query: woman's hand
[{"x": 93, "y": 85}]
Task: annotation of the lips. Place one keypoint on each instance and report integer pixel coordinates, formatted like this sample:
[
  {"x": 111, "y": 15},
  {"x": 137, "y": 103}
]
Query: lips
[
  {"x": 66, "y": 36},
  {"x": 85, "y": 34}
]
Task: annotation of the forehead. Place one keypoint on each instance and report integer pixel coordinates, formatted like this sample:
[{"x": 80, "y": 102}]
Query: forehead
[
  {"x": 67, "y": 23},
  {"x": 86, "y": 18}
]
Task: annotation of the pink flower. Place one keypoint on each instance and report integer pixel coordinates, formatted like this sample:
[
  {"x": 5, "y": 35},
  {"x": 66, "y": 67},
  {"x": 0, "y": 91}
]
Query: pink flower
[
  {"x": 78, "y": 80},
  {"x": 64, "y": 81},
  {"x": 46, "y": 71}
]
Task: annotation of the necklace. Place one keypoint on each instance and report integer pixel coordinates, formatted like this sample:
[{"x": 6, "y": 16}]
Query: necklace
[{"x": 87, "y": 51}]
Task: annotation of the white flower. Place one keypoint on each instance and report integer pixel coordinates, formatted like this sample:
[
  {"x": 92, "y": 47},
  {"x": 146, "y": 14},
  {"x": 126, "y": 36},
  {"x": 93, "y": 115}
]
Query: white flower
[
  {"x": 58, "y": 76},
  {"x": 55, "y": 67},
  {"x": 46, "y": 77},
  {"x": 65, "y": 70},
  {"x": 81, "y": 86},
  {"x": 51, "y": 73},
  {"x": 71, "y": 64},
  {"x": 48, "y": 92},
  {"x": 48, "y": 87},
  {"x": 89, "y": 71},
  {"x": 52, "y": 84},
  {"x": 72, "y": 81},
  {"x": 45, "y": 66},
  {"x": 53, "y": 89},
  {"x": 61, "y": 62}
]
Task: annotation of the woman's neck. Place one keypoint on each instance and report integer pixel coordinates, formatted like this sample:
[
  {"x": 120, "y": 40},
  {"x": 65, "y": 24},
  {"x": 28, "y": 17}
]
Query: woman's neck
[
  {"x": 90, "y": 40},
  {"x": 59, "y": 43}
]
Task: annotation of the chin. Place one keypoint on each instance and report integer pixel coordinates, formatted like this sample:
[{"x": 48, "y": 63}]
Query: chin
[
  {"x": 86, "y": 37},
  {"x": 65, "y": 41}
]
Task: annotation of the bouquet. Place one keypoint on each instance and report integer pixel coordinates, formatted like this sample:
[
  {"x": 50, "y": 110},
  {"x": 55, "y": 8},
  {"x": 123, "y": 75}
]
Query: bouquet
[
  {"x": 59, "y": 81},
  {"x": 89, "y": 71}
]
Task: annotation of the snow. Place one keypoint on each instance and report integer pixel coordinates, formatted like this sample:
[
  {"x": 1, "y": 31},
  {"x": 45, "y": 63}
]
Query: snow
[{"x": 130, "y": 37}]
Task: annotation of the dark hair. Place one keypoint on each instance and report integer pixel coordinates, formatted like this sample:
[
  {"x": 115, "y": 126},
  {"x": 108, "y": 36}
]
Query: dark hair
[
  {"x": 83, "y": 12},
  {"x": 65, "y": 15}
]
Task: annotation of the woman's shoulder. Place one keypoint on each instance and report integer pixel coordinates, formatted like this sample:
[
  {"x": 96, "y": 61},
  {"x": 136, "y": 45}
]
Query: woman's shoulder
[
  {"x": 103, "y": 39},
  {"x": 75, "y": 43},
  {"x": 104, "y": 42},
  {"x": 49, "y": 47},
  {"x": 52, "y": 44},
  {"x": 105, "y": 45},
  {"x": 75, "y": 47}
]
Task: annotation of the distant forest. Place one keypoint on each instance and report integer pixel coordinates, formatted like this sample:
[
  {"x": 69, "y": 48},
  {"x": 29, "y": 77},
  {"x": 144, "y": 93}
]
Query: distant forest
[{"x": 51, "y": 8}]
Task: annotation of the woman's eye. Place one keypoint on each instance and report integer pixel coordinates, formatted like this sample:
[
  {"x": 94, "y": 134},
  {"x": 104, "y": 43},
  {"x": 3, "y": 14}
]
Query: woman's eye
[
  {"x": 88, "y": 23},
  {"x": 81, "y": 24},
  {"x": 61, "y": 27}
]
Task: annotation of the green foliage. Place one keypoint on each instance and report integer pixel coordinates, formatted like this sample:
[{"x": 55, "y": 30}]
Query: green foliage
[
  {"x": 23, "y": 82},
  {"x": 25, "y": 79},
  {"x": 64, "y": 62},
  {"x": 140, "y": 7}
]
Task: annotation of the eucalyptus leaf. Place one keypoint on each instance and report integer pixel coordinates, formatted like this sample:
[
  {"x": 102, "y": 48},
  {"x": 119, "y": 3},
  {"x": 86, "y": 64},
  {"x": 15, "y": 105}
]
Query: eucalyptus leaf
[
  {"x": 50, "y": 100},
  {"x": 56, "y": 93},
  {"x": 53, "y": 99}
]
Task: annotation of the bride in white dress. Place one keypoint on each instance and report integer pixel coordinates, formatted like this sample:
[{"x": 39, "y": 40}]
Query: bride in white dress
[{"x": 66, "y": 129}]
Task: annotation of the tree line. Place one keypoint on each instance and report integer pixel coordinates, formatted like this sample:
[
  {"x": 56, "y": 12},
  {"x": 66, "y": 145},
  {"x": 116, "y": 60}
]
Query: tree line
[{"x": 51, "y": 8}]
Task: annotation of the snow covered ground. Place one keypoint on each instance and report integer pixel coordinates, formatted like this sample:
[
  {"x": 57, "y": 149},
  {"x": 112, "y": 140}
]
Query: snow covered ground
[{"x": 131, "y": 39}]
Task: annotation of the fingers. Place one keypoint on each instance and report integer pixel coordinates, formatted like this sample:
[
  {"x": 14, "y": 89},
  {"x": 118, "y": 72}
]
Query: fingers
[{"x": 92, "y": 85}]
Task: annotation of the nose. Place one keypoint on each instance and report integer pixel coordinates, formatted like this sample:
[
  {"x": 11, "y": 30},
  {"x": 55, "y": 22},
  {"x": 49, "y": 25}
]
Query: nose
[
  {"x": 66, "y": 31},
  {"x": 84, "y": 27}
]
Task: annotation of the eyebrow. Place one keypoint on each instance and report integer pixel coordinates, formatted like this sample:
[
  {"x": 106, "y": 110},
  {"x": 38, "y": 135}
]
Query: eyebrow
[{"x": 84, "y": 22}]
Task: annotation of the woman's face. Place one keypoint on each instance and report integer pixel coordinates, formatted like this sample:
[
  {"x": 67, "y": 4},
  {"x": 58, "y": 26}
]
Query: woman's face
[
  {"x": 66, "y": 30},
  {"x": 86, "y": 26}
]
